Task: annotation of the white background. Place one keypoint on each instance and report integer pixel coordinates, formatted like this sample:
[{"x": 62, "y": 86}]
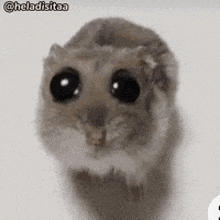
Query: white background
[{"x": 28, "y": 181}]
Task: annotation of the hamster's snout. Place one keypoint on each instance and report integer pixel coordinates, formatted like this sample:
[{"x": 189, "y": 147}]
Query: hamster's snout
[
  {"x": 95, "y": 137},
  {"x": 94, "y": 125},
  {"x": 96, "y": 115}
]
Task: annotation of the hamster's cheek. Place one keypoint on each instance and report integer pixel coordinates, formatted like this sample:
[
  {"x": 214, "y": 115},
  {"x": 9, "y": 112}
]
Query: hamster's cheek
[
  {"x": 70, "y": 147},
  {"x": 67, "y": 144}
]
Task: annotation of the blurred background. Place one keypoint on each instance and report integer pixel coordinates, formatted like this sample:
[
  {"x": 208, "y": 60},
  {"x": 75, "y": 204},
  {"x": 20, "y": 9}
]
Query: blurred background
[{"x": 29, "y": 186}]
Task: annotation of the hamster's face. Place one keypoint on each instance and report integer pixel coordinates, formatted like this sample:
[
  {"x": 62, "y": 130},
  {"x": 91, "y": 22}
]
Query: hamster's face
[{"x": 100, "y": 110}]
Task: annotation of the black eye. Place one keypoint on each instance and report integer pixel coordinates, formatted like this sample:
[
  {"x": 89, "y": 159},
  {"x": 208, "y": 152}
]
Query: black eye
[
  {"x": 124, "y": 87},
  {"x": 65, "y": 85}
]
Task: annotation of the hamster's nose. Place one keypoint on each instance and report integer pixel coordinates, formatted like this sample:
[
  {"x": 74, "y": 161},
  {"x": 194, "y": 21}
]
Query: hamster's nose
[{"x": 96, "y": 115}]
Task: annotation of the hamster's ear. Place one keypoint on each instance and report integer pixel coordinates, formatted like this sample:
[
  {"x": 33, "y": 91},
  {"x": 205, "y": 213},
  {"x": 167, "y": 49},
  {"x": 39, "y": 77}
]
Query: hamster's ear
[
  {"x": 55, "y": 53},
  {"x": 55, "y": 50},
  {"x": 145, "y": 57},
  {"x": 155, "y": 67}
]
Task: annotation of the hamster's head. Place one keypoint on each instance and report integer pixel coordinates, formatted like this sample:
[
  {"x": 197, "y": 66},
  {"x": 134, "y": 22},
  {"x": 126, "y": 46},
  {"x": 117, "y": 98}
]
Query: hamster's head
[{"x": 106, "y": 109}]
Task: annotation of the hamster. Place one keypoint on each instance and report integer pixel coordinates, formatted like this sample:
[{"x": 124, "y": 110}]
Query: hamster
[{"x": 107, "y": 112}]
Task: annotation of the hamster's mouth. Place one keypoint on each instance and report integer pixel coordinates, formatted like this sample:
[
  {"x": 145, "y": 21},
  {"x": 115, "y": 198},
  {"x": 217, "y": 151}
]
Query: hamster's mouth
[{"x": 95, "y": 137}]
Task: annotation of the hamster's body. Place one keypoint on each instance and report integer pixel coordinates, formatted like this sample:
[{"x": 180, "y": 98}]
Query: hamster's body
[{"x": 107, "y": 111}]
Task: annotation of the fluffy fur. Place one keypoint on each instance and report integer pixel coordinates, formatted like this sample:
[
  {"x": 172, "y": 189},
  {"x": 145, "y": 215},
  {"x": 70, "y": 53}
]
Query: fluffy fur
[{"x": 138, "y": 138}]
